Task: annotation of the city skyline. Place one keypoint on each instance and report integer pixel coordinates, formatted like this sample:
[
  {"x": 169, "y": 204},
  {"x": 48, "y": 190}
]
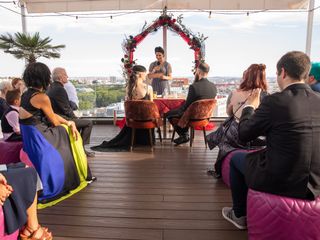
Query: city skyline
[{"x": 93, "y": 46}]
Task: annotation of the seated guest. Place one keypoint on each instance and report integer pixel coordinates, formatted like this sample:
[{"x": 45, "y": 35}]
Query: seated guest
[
  {"x": 18, "y": 83},
  {"x": 290, "y": 120},
  {"x": 10, "y": 119},
  {"x": 61, "y": 105},
  {"x": 202, "y": 88},
  {"x": 5, "y": 86},
  {"x": 72, "y": 95},
  {"x": 52, "y": 143},
  {"x": 18, "y": 199},
  {"x": 314, "y": 77},
  {"x": 136, "y": 90},
  {"x": 227, "y": 138}
]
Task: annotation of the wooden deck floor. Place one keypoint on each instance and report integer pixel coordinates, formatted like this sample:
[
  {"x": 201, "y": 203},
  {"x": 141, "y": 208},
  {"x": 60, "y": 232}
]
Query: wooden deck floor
[{"x": 164, "y": 195}]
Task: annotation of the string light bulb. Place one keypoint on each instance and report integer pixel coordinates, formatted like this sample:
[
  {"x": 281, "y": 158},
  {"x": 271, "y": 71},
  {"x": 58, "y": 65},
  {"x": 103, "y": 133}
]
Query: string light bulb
[
  {"x": 247, "y": 14},
  {"x": 210, "y": 14}
]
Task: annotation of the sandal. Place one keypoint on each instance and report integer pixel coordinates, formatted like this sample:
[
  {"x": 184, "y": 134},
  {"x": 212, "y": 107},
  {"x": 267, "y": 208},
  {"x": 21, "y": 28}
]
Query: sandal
[{"x": 46, "y": 235}]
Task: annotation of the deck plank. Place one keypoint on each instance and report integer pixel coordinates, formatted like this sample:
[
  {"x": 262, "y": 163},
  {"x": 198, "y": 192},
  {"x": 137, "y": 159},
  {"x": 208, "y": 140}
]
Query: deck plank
[
  {"x": 93, "y": 232},
  {"x": 138, "y": 223},
  {"x": 160, "y": 195},
  {"x": 204, "y": 235},
  {"x": 136, "y": 213}
]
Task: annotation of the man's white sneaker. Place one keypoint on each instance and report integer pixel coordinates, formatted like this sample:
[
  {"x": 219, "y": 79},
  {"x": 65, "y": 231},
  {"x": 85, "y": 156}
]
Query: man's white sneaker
[{"x": 228, "y": 214}]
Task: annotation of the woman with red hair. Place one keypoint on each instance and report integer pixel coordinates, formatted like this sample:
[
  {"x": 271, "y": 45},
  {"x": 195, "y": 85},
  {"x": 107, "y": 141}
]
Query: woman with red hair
[
  {"x": 226, "y": 136},
  {"x": 254, "y": 77}
]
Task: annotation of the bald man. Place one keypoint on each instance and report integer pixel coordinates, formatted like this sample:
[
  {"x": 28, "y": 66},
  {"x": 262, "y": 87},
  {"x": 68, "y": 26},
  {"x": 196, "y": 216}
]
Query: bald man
[{"x": 61, "y": 105}]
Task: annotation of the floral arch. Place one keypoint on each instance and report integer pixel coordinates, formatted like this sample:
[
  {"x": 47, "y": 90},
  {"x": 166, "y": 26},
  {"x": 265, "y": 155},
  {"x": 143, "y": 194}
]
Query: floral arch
[{"x": 195, "y": 41}]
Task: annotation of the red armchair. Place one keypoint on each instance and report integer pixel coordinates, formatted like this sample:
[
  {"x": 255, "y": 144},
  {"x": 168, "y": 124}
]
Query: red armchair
[
  {"x": 142, "y": 114},
  {"x": 197, "y": 115}
]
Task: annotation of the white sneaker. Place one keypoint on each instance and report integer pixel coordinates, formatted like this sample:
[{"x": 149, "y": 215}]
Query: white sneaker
[{"x": 228, "y": 214}]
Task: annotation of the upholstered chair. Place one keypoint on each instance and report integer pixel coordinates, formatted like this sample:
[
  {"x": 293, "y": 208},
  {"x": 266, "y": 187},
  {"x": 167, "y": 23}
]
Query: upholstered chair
[
  {"x": 142, "y": 114},
  {"x": 197, "y": 115}
]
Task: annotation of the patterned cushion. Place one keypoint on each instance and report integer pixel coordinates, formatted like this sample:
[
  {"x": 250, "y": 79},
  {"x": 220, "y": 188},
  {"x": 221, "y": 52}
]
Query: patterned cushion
[
  {"x": 282, "y": 218},
  {"x": 13, "y": 236}
]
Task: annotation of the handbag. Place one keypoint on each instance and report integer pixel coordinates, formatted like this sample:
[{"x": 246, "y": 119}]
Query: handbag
[
  {"x": 218, "y": 136},
  {"x": 227, "y": 123}
]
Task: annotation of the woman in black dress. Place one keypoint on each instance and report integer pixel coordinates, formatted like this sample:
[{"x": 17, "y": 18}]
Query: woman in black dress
[
  {"x": 52, "y": 143},
  {"x": 136, "y": 90}
]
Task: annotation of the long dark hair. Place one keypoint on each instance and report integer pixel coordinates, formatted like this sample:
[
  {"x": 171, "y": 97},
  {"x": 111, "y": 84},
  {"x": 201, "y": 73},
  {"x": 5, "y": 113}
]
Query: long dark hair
[
  {"x": 132, "y": 83},
  {"x": 254, "y": 77}
]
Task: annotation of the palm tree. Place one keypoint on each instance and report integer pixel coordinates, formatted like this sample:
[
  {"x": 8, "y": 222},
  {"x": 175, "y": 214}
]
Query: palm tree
[{"x": 29, "y": 47}]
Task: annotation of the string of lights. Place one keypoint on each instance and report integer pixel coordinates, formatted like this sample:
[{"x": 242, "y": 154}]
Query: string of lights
[{"x": 114, "y": 14}]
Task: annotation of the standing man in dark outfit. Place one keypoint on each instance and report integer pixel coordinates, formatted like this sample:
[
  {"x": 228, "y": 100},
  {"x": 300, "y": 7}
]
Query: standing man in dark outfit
[
  {"x": 61, "y": 105},
  {"x": 200, "y": 89}
]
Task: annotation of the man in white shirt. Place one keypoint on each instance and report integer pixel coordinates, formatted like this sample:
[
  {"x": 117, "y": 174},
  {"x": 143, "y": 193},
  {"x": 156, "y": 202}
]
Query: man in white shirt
[{"x": 72, "y": 95}]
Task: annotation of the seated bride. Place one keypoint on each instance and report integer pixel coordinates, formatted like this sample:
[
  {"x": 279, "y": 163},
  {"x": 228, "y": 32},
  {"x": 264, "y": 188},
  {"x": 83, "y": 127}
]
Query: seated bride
[{"x": 136, "y": 89}]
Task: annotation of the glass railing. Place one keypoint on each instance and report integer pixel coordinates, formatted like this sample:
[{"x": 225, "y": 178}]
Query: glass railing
[
  {"x": 98, "y": 99},
  {"x": 105, "y": 98}
]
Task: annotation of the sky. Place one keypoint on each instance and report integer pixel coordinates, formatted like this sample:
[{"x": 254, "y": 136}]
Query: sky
[{"x": 94, "y": 46}]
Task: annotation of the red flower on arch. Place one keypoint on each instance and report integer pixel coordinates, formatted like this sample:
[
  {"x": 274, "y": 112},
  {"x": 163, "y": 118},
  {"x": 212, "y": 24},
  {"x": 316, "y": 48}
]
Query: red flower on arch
[{"x": 195, "y": 41}]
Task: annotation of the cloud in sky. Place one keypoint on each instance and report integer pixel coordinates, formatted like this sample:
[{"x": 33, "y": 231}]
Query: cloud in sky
[{"x": 235, "y": 41}]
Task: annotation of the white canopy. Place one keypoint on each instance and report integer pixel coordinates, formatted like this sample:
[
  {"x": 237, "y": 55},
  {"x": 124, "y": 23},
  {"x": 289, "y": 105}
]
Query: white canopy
[{"x": 49, "y": 6}]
